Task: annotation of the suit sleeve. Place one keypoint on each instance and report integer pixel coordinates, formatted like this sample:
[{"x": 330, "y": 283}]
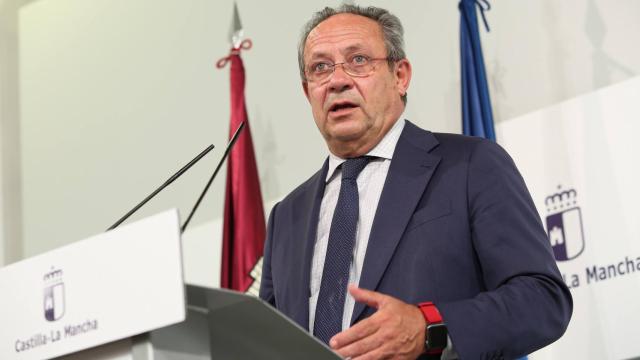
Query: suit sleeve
[
  {"x": 266, "y": 282},
  {"x": 526, "y": 304}
]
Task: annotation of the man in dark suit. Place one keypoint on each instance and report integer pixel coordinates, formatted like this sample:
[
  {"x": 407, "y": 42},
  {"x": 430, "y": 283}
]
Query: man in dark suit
[{"x": 436, "y": 234}]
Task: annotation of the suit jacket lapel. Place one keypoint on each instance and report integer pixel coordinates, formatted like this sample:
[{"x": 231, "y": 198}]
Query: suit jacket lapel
[
  {"x": 308, "y": 228},
  {"x": 409, "y": 173}
]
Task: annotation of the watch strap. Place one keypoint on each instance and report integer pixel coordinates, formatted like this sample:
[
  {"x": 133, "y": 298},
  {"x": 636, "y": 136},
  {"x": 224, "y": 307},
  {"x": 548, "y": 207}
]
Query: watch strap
[
  {"x": 430, "y": 312},
  {"x": 435, "y": 329}
]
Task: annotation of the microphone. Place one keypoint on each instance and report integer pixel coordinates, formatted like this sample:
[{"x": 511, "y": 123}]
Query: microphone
[
  {"x": 206, "y": 188},
  {"x": 166, "y": 183}
]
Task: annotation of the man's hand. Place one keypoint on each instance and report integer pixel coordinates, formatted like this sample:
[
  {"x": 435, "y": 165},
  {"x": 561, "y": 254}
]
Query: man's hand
[{"x": 395, "y": 331}]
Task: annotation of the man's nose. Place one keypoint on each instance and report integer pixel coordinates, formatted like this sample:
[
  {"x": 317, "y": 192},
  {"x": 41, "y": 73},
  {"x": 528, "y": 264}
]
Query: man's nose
[{"x": 340, "y": 80}]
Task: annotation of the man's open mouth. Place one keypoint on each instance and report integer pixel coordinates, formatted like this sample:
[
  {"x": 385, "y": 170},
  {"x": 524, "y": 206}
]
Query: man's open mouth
[{"x": 341, "y": 106}]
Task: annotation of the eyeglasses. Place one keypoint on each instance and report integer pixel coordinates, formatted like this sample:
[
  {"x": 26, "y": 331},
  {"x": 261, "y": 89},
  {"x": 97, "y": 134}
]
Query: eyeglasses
[{"x": 357, "y": 66}]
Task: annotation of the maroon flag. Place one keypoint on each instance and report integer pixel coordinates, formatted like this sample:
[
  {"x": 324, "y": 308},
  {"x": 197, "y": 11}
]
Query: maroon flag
[{"x": 244, "y": 225}]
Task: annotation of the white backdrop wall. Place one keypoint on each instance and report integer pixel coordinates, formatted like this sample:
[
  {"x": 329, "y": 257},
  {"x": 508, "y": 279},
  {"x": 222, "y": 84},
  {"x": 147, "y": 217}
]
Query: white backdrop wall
[
  {"x": 113, "y": 96},
  {"x": 579, "y": 160},
  {"x": 10, "y": 184}
]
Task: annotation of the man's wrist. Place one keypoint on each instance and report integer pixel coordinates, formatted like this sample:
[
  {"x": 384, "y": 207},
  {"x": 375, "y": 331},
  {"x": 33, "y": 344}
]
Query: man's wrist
[{"x": 436, "y": 331}]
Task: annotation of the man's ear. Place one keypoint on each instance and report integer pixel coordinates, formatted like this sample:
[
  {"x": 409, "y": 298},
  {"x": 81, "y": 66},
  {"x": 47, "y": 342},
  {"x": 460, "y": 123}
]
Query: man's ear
[
  {"x": 403, "y": 75},
  {"x": 305, "y": 87}
]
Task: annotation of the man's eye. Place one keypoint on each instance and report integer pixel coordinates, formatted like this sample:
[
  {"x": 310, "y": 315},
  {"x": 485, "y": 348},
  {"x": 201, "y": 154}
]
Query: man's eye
[
  {"x": 359, "y": 60},
  {"x": 320, "y": 67}
]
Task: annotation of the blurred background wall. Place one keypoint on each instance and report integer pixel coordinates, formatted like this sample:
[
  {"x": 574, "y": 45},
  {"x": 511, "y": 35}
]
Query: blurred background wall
[{"x": 102, "y": 100}]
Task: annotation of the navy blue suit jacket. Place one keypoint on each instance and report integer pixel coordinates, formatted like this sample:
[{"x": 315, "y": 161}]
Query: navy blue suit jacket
[{"x": 455, "y": 225}]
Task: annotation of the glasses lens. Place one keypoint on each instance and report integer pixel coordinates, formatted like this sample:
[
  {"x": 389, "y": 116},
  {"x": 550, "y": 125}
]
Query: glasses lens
[
  {"x": 358, "y": 69},
  {"x": 322, "y": 76},
  {"x": 318, "y": 75}
]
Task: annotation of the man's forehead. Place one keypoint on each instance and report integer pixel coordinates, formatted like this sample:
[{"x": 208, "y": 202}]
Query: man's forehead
[{"x": 343, "y": 27}]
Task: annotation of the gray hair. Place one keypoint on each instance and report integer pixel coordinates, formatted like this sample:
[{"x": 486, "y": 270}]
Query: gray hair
[{"x": 391, "y": 26}]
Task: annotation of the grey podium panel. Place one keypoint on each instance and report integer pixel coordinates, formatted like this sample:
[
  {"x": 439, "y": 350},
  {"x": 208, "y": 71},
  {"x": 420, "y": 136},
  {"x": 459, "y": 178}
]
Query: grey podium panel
[
  {"x": 116, "y": 350},
  {"x": 245, "y": 327}
]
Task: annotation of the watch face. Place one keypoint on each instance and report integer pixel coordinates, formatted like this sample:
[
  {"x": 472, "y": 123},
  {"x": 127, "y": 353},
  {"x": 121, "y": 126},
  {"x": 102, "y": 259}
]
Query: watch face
[{"x": 436, "y": 336}]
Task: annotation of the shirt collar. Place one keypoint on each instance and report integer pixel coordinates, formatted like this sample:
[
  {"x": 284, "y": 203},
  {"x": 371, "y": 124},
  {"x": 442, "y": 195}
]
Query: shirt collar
[{"x": 384, "y": 149}]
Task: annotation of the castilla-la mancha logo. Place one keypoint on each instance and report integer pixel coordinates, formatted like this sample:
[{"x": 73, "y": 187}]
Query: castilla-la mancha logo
[
  {"x": 53, "y": 295},
  {"x": 564, "y": 224}
]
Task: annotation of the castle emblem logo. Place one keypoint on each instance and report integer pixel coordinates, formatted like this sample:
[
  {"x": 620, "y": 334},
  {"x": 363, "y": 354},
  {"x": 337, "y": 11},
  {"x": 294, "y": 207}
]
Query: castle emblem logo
[
  {"x": 54, "y": 305},
  {"x": 564, "y": 225}
]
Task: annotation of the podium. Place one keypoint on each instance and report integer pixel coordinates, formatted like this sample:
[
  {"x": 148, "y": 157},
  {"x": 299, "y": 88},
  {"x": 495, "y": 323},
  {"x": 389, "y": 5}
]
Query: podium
[{"x": 121, "y": 295}]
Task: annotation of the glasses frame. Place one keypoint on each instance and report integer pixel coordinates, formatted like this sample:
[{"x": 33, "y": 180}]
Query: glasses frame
[{"x": 346, "y": 69}]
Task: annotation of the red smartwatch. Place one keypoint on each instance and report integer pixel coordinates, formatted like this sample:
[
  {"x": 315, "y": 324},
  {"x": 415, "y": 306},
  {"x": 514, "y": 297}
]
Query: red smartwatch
[{"x": 436, "y": 332}]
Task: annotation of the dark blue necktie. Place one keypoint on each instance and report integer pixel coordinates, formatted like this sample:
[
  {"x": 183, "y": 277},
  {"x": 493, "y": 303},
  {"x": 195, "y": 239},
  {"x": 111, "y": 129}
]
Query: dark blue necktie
[{"x": 342, "y": 236}]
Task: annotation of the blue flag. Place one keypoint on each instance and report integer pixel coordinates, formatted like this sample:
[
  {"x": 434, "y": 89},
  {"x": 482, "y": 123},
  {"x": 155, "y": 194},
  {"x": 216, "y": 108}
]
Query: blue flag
[{"x": 477, "y": 117}]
